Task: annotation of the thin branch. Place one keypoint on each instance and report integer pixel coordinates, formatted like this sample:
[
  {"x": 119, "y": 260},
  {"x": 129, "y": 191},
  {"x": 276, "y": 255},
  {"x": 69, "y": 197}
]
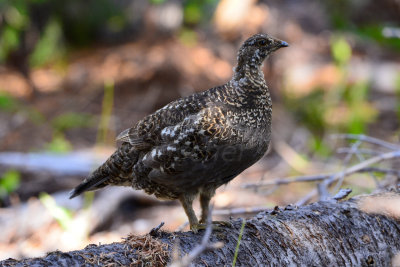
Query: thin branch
[
  {"x": 342, "y": 194},
  {"x": 295, "y": 179},
  {"x": 366, "y": 163},
  {"x": 351, "y": 170},
  {"x": 381, "y": 170},
  {"x": 330, "y": 178},
  {"x": 368, "y": 139},
  {"x": 268, "y": 192},
  {"x": 361, "y": 157},
  {"x": 155, "y": 230},
  {"x": 354, "y": 150},
  {"x": 345, "y": 150},
  {"x": 323, "y": 192},
  {"x": 314, "y": 178}
]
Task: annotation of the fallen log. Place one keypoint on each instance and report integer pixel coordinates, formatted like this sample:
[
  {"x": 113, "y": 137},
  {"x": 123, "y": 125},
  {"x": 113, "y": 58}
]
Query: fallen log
[{"x": 363, "y": 231}]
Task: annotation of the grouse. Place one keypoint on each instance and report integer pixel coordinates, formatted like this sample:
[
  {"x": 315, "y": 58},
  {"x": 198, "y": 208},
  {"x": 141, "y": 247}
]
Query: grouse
[{"x": 197, "y": 143}]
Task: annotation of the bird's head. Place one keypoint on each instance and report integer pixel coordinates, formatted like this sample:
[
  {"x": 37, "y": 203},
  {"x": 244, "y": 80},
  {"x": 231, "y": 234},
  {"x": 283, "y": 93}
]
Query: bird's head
[{"x": 257, "y": 48}]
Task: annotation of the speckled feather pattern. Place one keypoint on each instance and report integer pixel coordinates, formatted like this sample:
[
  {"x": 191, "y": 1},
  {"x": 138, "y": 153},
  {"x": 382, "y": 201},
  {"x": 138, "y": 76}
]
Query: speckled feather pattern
[{"x": 197, "y": 143}]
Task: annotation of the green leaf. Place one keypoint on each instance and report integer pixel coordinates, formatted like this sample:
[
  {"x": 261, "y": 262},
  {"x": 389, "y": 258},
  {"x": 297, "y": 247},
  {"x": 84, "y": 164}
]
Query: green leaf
[
  {"x": 188, "y": 37},
  {"x": 71, "y": 120},
  {"x": 7, "y": 102},
  {"x": 16, "y": 17},
  {"x": 9, "y": 38},
  {"x": 48, "y": 48},
  {"x": 341, "y": 51},
  {"x": 62, "y": 215},
  {"x": 192, "y": 12},
  {"x": 116, "y": 23},
  {"x": 59, "y": 144},
  {"x": 319, "y": 146},
  {"x": 357, "y": 92},
  {"x": 157, "y": 2},
  {"x": 10, "y": 181},
  {"x": 397, "y": 84},
  {"x": 374, "y": 32}
]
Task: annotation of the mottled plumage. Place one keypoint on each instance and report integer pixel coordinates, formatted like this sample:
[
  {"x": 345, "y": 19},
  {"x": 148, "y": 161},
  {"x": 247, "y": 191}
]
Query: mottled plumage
[{"x": 195, "y": 144}]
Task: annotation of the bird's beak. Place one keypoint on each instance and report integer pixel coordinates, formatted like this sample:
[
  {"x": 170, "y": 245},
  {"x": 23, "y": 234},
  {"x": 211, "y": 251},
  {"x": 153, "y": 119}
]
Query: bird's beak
[
  {"x": 279, "y": 44},
  {"x": 283, "y": 44}
]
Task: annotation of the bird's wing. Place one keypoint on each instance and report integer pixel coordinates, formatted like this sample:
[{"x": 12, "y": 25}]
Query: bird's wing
[
  {"x": 190, "y": 146},
  {"x": 147, "y": 132}
]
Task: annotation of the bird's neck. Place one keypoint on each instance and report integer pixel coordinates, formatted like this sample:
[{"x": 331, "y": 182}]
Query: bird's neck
[
  {"x": 248, "y": 87},
  {"x": 249, "y": 73}
]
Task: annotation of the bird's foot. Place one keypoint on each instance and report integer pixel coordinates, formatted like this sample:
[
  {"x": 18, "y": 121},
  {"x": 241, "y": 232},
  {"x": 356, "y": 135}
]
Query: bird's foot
[{"x": 216, "y": 225}]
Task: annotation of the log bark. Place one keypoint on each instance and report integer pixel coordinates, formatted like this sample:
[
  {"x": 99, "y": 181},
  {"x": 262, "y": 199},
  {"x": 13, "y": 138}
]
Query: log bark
[{"x": 363, "y": 231}]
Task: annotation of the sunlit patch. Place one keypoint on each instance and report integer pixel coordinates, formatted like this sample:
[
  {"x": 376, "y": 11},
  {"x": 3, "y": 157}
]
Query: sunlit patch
[{"x": 387, "y": 204}]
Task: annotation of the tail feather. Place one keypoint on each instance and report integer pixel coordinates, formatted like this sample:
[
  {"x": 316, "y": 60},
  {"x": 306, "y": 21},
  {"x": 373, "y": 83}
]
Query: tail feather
[
  {"x": 111, "y": 172},
  {"x": 90, "y": 184}
]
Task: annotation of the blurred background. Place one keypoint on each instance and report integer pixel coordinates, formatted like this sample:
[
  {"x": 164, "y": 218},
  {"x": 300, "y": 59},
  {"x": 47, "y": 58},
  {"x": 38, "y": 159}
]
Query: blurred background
[{"x": 74, "y": 74}]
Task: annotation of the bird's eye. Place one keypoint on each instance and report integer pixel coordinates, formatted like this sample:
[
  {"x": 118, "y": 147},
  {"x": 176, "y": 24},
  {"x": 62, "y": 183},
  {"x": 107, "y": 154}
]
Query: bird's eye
[{"x": 262, "y": 42}]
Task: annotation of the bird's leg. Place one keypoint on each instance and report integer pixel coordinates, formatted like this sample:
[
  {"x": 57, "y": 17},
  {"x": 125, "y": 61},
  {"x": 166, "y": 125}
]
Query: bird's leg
[
  {"x": 205, "y": 198},
  {"x": 187, "y": 204}
]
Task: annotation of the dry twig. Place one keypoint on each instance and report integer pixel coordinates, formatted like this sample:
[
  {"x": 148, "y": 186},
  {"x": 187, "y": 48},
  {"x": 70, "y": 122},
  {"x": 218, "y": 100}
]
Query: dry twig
[
  {"x": 366, "y": 151},
  {"x": 155, "y": 230},
  {"x": 328, "y": 179},
  {"x": 368, "y": 139},
  {"x": 342, "y": 194},
  {"x": 313, "y": 178},
  {"x": 351, "y": 170}
]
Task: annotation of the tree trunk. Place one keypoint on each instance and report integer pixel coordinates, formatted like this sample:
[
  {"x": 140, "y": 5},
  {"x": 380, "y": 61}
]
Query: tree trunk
[{"x": 364, "y": 231}]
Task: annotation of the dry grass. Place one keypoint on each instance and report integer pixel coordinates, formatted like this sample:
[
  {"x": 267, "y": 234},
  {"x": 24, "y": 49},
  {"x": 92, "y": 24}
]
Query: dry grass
[{"x": 149, "y": 250}]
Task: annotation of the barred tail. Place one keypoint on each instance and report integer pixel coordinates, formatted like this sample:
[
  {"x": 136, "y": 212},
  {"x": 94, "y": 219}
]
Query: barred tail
[{"x": 117, "y": 166}]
